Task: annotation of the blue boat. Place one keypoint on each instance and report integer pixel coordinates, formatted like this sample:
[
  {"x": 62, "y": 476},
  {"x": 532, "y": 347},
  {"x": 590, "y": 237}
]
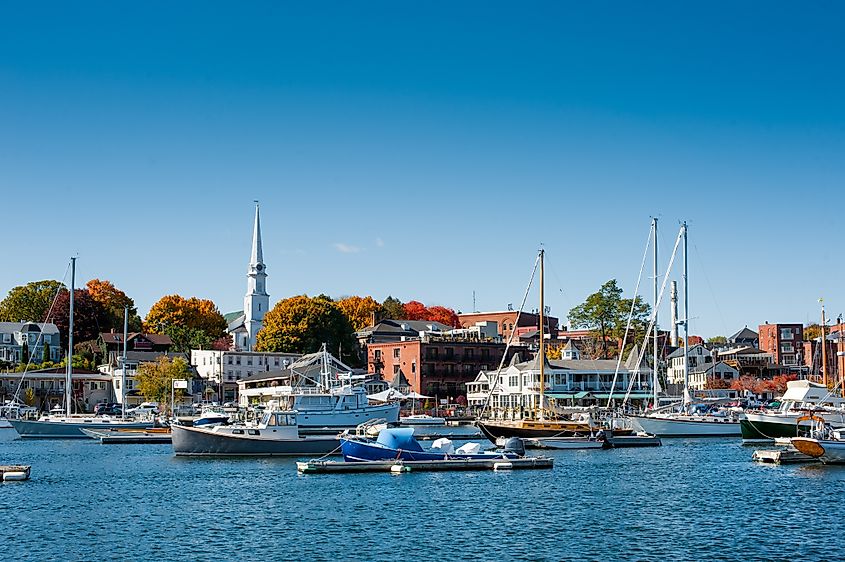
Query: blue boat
[{"x": 398, "y": 443}]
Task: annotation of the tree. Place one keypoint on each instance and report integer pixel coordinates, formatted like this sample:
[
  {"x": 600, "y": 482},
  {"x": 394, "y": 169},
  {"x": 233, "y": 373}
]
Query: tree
[
  {"x": 113, "y": 301},
  {"x": 29, "y": 302},
  {"x": 718, "y": 340},
  {"x": 443, "y": 315},
  {"x": 302, "y": 325},
  {"x": 714, "y": 383},
  {"x": 812, "y": 332},
  {"x": 190, "y": 321},
  {"x": 86, "y": 316},
  {"x": 605, "y": 313},
  {"x": 155, "y": 380},
  {"x": 25, "y": 353},
  {"x": 393, "y": 308},
  {"x": 414, "y": 310},
  {"x": 359, "y": 310},
  {"x": 45, "y": 352}
]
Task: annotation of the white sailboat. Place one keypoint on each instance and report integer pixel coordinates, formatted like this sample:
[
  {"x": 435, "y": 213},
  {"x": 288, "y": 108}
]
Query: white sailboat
[
  {"x": 67, "y": 426},
  {"x": 689, "y": 421}
]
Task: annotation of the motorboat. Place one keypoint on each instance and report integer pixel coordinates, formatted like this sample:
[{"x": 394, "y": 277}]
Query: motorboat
[
  {"x": 421, "y": 419},
  {"x": 398, "y": 443},
  {"x": 211, "y": 416},
  {"x": 800, "y": 396},
  {"x": 824, "y": 442},
  {"x": 276, "y": 434}
]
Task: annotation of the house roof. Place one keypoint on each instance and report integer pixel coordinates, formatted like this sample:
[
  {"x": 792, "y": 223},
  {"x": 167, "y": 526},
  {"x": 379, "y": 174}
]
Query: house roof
[
  {"x": 680, "y": 351},
  {"x": 117, "y": 338},
  {"x": 236, "y": 323},
  {"x": 745, "y": 334},
  {"x": 403, "y": 327},
  {"x": 44, "y": 328}
]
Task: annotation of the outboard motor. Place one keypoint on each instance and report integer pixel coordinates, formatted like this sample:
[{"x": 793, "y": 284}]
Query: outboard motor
[{"x": 515, "y": 445}]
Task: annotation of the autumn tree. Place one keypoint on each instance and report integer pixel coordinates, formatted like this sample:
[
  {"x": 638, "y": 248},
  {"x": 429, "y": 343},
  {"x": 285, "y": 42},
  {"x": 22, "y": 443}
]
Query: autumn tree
[
  {"x": 302, "y": 325},
  {"x": 812, "y": 332},
  {"x": 443, "y": 315},
  {"x": 189, "y": 322},
  {"x": 113, "y": 301},
  {"x": 605, "y": 313},
  {"x": 414, "y": 310},
  {"x": 359, "y": 310},
  {"x": 393, "y": 308},
  {"x": 718, "y": 340},
  {"x": 155, "y": 380},
  {"x": 86, "y": 316},
  {"x": 29, "y": 302}
]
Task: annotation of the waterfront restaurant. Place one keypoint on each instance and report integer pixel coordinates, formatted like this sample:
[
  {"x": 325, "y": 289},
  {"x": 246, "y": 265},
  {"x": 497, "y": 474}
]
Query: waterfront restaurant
[{"x": 568, "y": 383}]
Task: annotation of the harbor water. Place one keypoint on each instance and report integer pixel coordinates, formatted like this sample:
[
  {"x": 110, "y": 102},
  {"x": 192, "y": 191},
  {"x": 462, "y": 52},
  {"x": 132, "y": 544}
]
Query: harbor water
[{"x": 687, "y": 500}]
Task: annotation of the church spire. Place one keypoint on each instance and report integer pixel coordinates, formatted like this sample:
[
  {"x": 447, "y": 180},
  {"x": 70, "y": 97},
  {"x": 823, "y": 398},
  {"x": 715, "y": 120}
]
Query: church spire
[{"x": 257, "y": 255}]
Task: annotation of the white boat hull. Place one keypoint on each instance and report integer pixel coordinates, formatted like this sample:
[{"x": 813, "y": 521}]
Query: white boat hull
[
  {"x": 62, "y": 428},
  {"x": 7, "y": 432},
  {"x": 686, "y": 426}
]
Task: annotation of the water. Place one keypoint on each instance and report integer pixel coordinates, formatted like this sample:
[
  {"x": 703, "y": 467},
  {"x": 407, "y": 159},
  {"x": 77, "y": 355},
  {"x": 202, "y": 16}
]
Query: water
[{"x": 687, "y": 500}]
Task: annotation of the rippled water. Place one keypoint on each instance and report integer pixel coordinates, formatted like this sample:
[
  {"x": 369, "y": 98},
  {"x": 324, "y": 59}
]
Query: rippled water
[{"x": 687, "y": 500}]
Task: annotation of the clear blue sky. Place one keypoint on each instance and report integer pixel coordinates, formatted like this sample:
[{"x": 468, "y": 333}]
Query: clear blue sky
[{"x": 425, "y": 150}]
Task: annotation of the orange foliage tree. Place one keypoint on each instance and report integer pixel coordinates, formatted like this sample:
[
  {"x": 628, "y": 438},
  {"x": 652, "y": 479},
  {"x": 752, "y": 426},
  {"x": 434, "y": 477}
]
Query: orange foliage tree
[
  {"x": 190, "y": 321},
  {"x": 113, "y": 302},
  {"x": 359, "y": 310},
  {"x": 415, "y": 310}
]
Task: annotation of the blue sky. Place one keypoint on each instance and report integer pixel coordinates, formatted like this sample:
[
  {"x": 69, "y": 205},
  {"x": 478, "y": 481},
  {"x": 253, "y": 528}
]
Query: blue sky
[{"x": 426, "y": 150}]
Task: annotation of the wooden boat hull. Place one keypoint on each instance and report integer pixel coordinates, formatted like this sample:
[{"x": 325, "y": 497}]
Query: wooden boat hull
[
  {"x": 495, "y": 430},
  {"x": 827, "y": 451}
]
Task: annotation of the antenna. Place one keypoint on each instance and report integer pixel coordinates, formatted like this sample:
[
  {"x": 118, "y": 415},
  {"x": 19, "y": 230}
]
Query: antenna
[{"x": 474, "y": 308}]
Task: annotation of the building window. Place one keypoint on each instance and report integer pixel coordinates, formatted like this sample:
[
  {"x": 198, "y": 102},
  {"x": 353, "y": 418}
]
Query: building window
[
  {"x": 377, "y": 355},
  {"x": 788, "y": 360},
  {"x": 249, "y": 360},
  {"x": 395, "y": 370},
  {"x": 230, "y": 360},
  {"x": 238, "y": 360},
  {"x": 786, "y": 333},
  {"x": 787, "y": 348},
  {"x": 396, "y": 353}
]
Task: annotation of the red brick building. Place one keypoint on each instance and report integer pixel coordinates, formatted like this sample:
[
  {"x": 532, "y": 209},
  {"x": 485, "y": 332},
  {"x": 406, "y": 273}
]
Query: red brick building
[
  {"x": 785, "y": 342},
  {"x": 435, "y": 366},
  {"x": 507, "y": 321}
]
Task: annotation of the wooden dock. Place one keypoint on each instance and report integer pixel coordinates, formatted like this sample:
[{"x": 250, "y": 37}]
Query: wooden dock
[
  {"x": 788, "y": 455},
  {"x": 14, "y": 472},
  {"x": 336, "y": 467}
]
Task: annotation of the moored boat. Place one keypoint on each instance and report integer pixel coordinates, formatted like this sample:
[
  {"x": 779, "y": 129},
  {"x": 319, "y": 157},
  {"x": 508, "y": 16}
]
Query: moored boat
[
  {"x": 399, "y": 444},
  {"x": 7, "y": 431},
  {"x": 823, "y": 443},
  {"x": 277, "y": 434},
  {"x": 800, "y": 396}
]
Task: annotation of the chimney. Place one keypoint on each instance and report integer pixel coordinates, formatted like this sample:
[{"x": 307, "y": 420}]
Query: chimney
[{"x": 674, "y": 308}]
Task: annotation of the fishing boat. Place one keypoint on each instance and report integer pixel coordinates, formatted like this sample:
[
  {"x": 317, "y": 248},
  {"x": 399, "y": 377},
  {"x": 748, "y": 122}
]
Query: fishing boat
[
  {"x": 399, "y": 444},
  {"x": 276, "y": 434},
  {"x": 800, "y": 396},
  {"x": 67, "y": 425},
  {"x": 691, "y": 420},
  {"x": 824, "y": 442}
]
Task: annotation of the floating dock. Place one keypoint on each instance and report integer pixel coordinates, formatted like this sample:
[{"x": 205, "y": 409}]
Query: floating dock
[
  {"x": 14, "y": 472},
  {"x": 789, "y": 455},
  {"x": 337, "y": 467},
  {"x": 130, "y": 437},
  {"x": 626, "y": 441}
]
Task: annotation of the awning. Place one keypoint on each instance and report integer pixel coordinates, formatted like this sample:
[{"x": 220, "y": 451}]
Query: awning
[
  {"x": 621, "y": 395},
  {"x": 568, "y": 396}
]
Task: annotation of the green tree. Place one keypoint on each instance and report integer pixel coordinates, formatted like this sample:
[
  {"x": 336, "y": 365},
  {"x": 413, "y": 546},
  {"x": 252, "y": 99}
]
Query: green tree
[
  {"x": 29, "y": 302},
  {"x": 393, "y": 308},
  {"x": 185, "y": 338},
  {"x": 155, "y": 380},
  {"x": 605, "y": 313},
  {"x": 718, "y": 340},
  {"x": 302, "y": 325},
  {"x": 182, "y": 319},
  {"x": 45, "y": 352},
  {"x": 812, "y": 332},
  {"x": 25, "y": 353}
]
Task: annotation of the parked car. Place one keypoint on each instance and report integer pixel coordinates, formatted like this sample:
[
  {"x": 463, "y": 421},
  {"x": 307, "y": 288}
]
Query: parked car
[
  {"x": 107, "y": 409},
  {"x": 145, "y": 409}
]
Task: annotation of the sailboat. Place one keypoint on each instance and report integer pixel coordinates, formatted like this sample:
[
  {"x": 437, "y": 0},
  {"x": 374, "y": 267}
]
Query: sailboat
[
  {"x": 543, "y": 424},
  {"x": 67, "y": 426},
  {"x": 690, "y": 421}
]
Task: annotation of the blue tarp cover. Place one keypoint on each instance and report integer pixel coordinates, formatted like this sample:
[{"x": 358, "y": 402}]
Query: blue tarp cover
[{"x": 399, "y": 438}]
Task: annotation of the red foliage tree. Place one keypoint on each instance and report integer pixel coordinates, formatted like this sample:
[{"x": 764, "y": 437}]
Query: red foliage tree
[
  {"x": 87, "y": 315},
  {"x": 415, "y": 310},
  {"x": 443, "y": 315}
]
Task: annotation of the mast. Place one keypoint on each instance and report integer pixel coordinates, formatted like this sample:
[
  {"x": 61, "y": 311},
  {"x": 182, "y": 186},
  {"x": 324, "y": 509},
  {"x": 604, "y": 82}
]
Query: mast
[
  {"x": 654, "y": 271},
  {"x": 824, "y": 347},
  {"x": 542, "y": 341},
  {"x": 123, "y": 363},
  {"x": 686, "y": 320},
  {"x": 68, "y": 381}
]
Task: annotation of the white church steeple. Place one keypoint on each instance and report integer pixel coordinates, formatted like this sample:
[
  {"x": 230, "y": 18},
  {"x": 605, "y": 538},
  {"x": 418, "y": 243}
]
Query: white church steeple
[{"x": 256, "y": 300}]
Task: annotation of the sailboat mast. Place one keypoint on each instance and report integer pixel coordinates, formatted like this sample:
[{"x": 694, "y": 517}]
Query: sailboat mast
[
  {"x": 68, "y": 380},
  {"x": 542, "y": 340},
  {"x": 824, "y": 348},
  {"x": 686, "y": 318},
  {"x": 123, "y": 363},
  {"x": 654, "y": 271}
]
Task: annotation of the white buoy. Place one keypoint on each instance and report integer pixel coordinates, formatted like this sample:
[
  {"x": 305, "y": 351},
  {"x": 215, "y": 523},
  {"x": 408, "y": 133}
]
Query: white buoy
[
  {"x": 502, "y": 466},
  {"x": 14, "y": 476},
  {"x": 398, "y": 469}
]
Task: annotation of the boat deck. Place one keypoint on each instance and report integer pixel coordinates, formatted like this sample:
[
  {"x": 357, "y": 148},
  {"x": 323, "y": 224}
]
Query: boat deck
[{"x": 335, "y": 467}]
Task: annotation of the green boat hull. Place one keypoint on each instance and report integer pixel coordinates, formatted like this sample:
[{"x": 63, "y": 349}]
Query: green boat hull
[{"x": 766, "y": 430}]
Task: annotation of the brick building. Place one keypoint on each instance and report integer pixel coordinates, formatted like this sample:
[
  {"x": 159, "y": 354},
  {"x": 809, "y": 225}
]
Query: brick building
[
  {"x": 784, "y": 342},
  {"x": 508, "y": 323},
  {"x": 437, "y": 366}
]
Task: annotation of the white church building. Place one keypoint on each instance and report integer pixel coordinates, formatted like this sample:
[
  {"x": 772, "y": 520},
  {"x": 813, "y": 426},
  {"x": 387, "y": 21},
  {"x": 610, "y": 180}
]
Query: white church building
[{"x": 245, "y": 327}]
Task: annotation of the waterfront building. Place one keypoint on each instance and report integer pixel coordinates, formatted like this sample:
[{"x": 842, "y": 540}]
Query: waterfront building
[
  {"x": 48, "y": 387},
  {"x": 747, "y": 360},
  {"x": 784, "y": 343},
  {"x": 397, "y": 330},
  {"x": 569, "y": 382},
  {"x": 245, "y": 326},
  {"x": 130, "y": 396},
  {"x": 135, "y": 341},
  {"x": 508, "y": 324},
  {"x": 439, "y": 363},
  {"x": 223, "y": 370},
  {"x": 32, "y": 336}
]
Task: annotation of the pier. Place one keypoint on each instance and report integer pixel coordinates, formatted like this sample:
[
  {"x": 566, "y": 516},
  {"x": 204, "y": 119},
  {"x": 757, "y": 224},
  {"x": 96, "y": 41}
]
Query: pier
[{"x": 335, "y": 467}]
